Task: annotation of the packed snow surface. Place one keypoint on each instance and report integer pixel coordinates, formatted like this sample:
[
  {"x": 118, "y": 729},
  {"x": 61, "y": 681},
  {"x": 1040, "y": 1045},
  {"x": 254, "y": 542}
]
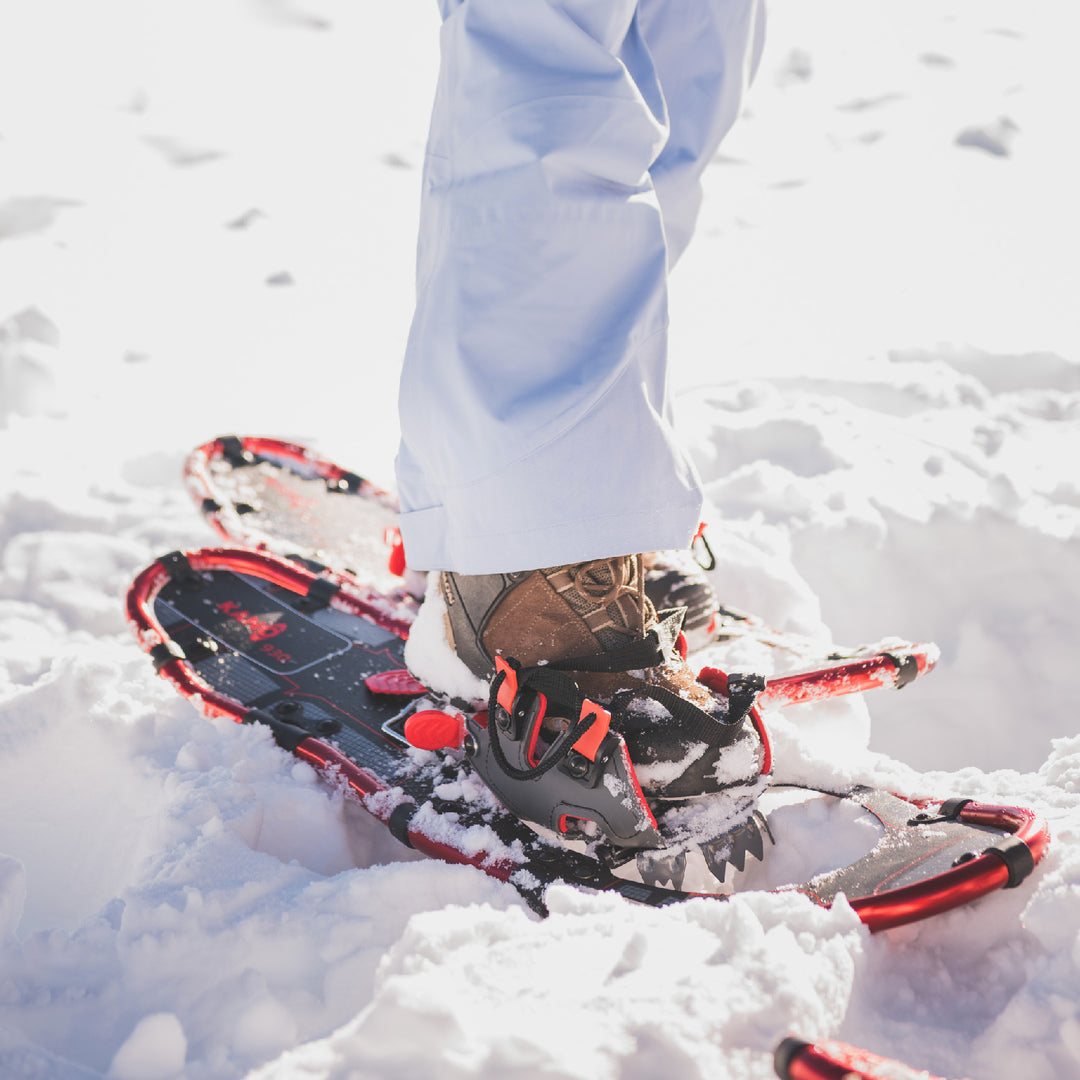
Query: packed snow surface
[{"x": 207, "y": 225}]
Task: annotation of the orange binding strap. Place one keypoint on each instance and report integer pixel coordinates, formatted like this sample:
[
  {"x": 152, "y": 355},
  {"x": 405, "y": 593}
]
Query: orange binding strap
[
  {"x": 589, "y": 743},
  {"x": 392, "y": 536},
  {"x": 508, "y": 690}
]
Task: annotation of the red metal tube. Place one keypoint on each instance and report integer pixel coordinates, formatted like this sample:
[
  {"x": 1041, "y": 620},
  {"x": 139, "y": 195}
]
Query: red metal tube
[
  {"x": 846, "y": 677},
  {"x": 830, "y": 1060},
  {"x": 961, "y": 884}
]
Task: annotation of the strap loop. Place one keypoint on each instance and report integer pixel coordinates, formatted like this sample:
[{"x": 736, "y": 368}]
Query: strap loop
[
  {"x": 511, "y": 697},
  {"x": 511, "y": 682}
]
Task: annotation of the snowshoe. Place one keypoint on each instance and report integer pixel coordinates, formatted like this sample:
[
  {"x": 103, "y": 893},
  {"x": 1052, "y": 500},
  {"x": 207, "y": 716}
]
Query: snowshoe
[
  {"x": 278, "y": 495},
  {"x": 317, "y": 660}
]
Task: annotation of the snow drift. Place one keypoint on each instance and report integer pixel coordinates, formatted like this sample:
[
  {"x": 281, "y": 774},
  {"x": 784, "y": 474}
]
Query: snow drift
[{"x": 184, "y": 252}]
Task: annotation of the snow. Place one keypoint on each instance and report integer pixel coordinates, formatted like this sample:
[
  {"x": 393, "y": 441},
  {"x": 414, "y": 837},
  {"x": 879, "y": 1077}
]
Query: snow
[
  {"x": 155, "y": 1050},
  {"x": 207, "y": 224},
  {"x": 429, "y": 655}
]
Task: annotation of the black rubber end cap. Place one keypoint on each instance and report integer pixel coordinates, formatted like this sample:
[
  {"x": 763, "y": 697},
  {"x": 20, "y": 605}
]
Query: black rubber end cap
[
  {"x": 786, "y": 1053},
  {"x": 398, "y": 822}
]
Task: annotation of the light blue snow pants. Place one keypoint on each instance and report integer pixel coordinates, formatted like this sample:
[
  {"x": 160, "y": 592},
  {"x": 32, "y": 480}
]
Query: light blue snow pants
[{"x": 561, "y": 183}]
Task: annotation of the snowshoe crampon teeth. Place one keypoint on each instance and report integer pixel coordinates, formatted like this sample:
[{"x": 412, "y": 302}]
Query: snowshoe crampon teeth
[
  {"x": 732, "y": 849},
  {"x": 705, "y": 867},
  {"x": 661, "y": 870}
]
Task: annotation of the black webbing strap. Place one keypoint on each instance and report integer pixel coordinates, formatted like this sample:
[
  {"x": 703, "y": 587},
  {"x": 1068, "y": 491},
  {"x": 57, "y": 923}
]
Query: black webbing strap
[
  {"x": 191, "y": 648},
  {"x": 232, "y": 450},
  {"x": 347, "y": 482},
  {"x": 320, "y": 592},
  {"x": 287, "y": 736},
  {"x": 695, "y": 724},
  {"x": 1016, "y": 856},
  {"x": 952, "y": 808},
  {"x": 1011, "y": 850},
  {"x": 907, "y": 668},
  {"x": 743, "y": 690},
  {"x": 180, "y": 569},
  {"x": 398, "y": 822},
  {"x": 652, "y": 650},
  {"x": 166, "y": 653},
  {"x": 562, "y": 692}
]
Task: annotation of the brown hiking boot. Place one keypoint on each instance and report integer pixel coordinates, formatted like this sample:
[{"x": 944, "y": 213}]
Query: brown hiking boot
[
  {"x": 585, "y": 609},
  {"x": 593, "y": 621}
]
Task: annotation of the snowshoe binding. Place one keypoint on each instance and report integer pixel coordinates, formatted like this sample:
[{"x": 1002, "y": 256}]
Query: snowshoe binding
[
  {"x": 318, "y": 662},
  {"x": 596, "y": 729}
]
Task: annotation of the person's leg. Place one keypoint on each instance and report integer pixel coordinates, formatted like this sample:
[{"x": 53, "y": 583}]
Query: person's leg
[
  {"x": 537, "y": 452},
  {"x": 705, "y": 53},
  {"x": 534, "y": 411}
]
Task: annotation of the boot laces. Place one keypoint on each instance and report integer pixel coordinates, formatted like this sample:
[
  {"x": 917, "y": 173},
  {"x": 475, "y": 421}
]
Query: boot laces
[{"x": 607, "y": 581}]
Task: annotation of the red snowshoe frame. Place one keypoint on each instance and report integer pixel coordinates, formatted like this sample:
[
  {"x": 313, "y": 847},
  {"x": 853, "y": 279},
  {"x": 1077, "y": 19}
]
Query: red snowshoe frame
[
  {"x": 1005, "y": 864},
  {"x": 797, "y": 1059},
  {"x": 249, "y": 449}
]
